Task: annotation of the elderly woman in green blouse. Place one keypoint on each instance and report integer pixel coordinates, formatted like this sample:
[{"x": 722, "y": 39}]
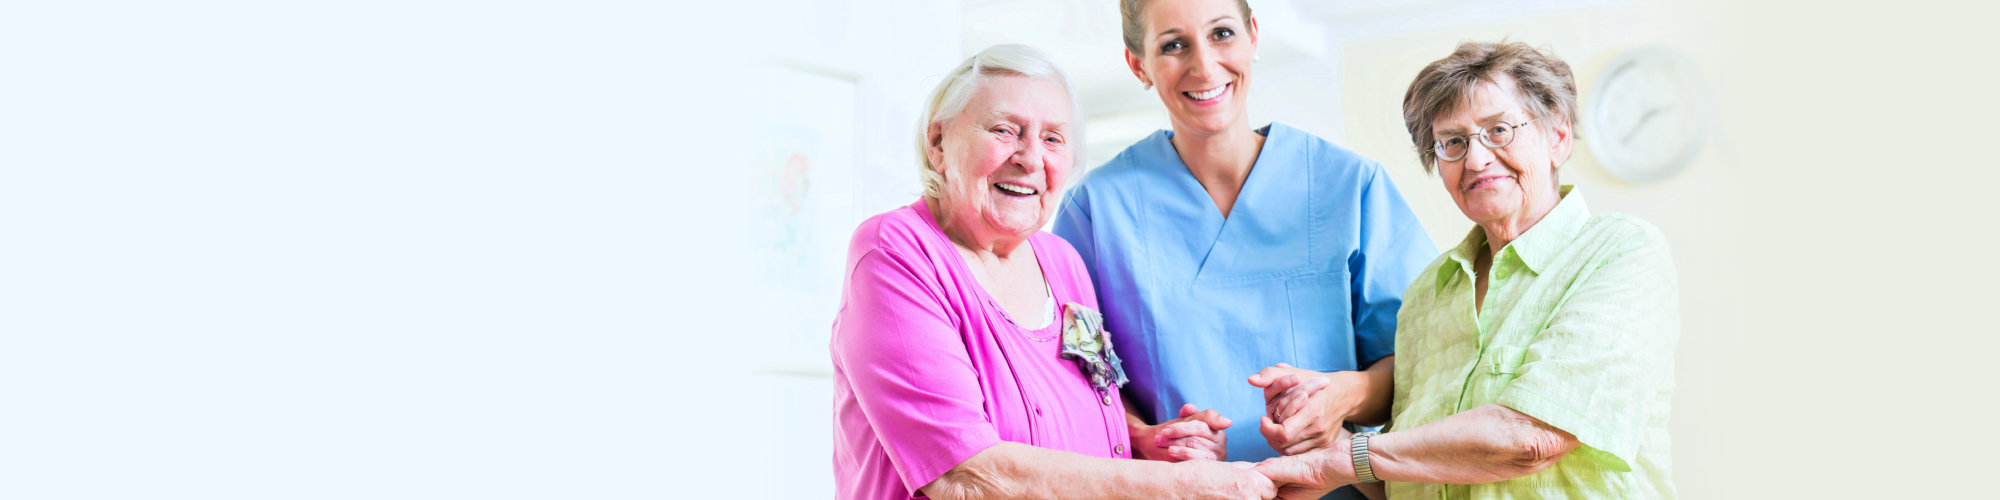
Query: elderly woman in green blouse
[{"x": 1535, "y": 359}]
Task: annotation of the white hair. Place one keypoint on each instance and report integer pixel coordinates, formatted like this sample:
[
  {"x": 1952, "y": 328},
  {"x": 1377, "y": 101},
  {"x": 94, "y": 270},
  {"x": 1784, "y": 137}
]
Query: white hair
[{"x": 958, "y": 87}]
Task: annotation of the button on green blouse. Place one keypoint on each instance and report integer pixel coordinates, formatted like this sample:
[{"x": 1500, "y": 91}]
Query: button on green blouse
[{"x": 1579, "y": 328}]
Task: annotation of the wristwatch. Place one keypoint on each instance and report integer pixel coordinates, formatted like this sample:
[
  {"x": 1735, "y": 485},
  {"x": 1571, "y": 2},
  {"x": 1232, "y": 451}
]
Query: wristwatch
[{"x": 1362, "y": 470}]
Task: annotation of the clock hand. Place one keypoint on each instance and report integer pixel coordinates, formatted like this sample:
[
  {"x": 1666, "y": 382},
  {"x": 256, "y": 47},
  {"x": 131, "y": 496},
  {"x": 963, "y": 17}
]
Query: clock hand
[{"x": 1634, "y": 131}]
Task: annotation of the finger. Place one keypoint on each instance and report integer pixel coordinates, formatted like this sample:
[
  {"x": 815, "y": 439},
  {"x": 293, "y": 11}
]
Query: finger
[
  {"x": 1214, "y": 419},
  {"x": 1300, "y": 447},
  {"x": 1275, "y": 408},
  {"x": 1182, "y": 429},
  {"x": 1278, "y": 400},
  {"x": 1307, "y": 444},
  {"x": 1282, "y": 365},
  {"x": 1185, "y": 453},
  {"x": 1266, "y": 489},
  {"x": 1210, "y": 417},
  {"x": 1304, "y": 428},
  {"x": 1219, "y": 422},
  {"x": 1296, "y": 399},
  {"x": 1188, "y": 409},
  {"x": 1273, "y": 433},
  {"x": 1265, "y": 376},
  {"x": 1285, "y": 470},
  {"x": 1296, "y": 403},
  {"x": 1315, "y": 383},
  {"x": 1191, "y": 442},
  {"x": 1279, "y": 385},
  {"x": 1282, "y": 408},
  {"x": 1300, "y": 441}
]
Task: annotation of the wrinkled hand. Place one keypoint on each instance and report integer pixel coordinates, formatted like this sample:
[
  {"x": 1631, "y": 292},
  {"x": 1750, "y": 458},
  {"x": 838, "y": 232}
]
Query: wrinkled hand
[
  {"x": 1196, "y": 435},
  {"x": 1305, "y": 476},
  {"x": 1304, "y": 408},
  {"x": 1226, "y": 480}
]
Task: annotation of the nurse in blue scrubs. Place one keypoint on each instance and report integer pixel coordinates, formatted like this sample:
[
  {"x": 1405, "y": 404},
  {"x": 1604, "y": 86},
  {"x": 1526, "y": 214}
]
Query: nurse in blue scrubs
[{"x": 1219, "y": 251}]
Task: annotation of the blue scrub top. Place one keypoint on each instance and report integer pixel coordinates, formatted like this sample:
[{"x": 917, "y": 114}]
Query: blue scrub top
[{"x": 1308, "y": 269}]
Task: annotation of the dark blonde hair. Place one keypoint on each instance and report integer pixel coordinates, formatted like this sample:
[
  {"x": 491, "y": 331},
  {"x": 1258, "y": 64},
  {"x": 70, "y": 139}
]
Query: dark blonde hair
[
  {"x": 1131, "y": 11},
  {"x": 1545, "y": 83}
]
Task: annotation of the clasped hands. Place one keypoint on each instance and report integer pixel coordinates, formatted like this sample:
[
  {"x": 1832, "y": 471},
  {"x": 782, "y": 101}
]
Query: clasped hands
[{"x": 1302, "y": 421}]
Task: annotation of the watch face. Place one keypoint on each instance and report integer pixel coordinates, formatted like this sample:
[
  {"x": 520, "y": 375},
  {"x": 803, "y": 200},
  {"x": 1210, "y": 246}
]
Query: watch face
[{"x": 1646, "y": 116}]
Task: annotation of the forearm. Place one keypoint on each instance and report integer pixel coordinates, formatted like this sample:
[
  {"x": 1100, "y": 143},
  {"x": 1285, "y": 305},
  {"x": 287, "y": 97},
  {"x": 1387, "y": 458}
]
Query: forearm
[
  {"x": 1482, "y": 445},
  {"x": 1135, "y": 426},
  {"x": 1378, "y": 386},
  {"x": 1013, "y": 470},
  {"x": 1132, "y": 419}
]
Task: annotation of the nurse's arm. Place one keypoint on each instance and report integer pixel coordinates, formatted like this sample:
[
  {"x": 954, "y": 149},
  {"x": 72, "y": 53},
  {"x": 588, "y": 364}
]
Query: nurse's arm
[
  {"x": 1304, "y": 408},
  {"x": 1013, "y": 470},
  {"x": 1377, "y": 384}
]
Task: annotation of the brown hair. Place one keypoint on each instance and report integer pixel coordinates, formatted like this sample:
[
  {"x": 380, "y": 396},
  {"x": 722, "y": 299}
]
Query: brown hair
[
  {"x": 1545, "y": 83},
  {"x": 1130, "y": 11}
]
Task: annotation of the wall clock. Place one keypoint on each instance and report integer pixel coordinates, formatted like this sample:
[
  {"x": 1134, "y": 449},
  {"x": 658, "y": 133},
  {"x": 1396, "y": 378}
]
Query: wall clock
[{"x": 1646, "y": 117}]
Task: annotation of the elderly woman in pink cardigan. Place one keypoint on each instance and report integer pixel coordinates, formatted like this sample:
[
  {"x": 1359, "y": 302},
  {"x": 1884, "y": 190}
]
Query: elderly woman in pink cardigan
[{"x": 968, "y": 360}]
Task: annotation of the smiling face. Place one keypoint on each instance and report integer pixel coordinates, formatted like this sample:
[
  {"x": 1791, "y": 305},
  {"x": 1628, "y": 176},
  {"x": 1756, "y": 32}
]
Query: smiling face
[
  {"x": 1513, "y": 184},
  {"x": 1197, "y": 56},
  {"x": 1004, "y": 158}
]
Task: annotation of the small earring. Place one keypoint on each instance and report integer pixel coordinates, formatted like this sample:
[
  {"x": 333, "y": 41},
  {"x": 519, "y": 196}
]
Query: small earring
[
  {"x": 1254, "y": 57},
  {"x": 1147, "y": 85}
]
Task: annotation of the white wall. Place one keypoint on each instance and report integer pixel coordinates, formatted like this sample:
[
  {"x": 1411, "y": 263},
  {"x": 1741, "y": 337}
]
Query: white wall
[
  {"x": 464, "y": 249},
  {"x": 763, "y": 428},
  {"x": 1823, "y": 312},
  {"x": 429, "y": 249}
]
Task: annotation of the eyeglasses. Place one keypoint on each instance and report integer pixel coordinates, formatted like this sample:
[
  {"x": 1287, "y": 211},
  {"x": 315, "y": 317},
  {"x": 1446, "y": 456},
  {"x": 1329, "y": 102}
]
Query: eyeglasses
[{"x": 1496, "y": 136}]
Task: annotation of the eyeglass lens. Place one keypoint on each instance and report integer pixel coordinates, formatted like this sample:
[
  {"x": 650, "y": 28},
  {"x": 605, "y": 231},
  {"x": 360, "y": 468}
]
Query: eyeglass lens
[{"x": 1496, "y": 136}]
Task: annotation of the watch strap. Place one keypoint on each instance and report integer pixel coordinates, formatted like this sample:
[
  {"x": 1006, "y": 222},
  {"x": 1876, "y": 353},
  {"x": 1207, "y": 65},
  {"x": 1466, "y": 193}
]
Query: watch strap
[{"x": 1363, "y": 470}]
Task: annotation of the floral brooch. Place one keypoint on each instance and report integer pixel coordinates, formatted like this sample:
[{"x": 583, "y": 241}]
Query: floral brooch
[{"x": 1084, "y": 340}]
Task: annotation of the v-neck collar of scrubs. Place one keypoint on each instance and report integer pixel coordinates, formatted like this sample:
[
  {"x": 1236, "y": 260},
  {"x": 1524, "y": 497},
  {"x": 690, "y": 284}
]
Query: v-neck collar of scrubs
[{"x": 1272, "y": 185}]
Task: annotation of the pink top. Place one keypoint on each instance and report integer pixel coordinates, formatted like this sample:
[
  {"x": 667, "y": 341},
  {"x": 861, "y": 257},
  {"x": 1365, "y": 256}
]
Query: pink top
[{"x": 928, "y": 370}]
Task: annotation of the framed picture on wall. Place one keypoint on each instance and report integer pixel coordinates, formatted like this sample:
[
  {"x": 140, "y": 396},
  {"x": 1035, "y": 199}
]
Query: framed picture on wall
[{"x": 804, "y": 189}]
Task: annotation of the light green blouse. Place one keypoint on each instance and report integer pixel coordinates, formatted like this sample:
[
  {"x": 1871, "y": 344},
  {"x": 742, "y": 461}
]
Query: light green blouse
[{"x": 1579, "y": 327}]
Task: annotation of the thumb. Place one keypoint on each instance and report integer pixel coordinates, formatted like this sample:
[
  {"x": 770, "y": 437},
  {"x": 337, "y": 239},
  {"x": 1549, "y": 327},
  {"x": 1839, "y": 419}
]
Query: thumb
[
  {"x": 1270, "y": 429},
  {"x": 1219, "y": 422},
  {"x": 1287, "y": 470},
  {"x": 1264, "y": 377},
  {"x": 1188, "y": 409}
]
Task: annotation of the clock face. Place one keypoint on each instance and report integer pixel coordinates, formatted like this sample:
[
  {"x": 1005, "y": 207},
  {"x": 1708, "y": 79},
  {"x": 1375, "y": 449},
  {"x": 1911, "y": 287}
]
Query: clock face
[{"x": 1645, "y": 120}]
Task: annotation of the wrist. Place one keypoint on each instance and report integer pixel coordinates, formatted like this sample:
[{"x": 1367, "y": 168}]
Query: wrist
[
  {"x": 1335, "y": 465},
  {"x": 1134, "y": 425},
  {"x": 1141, "y": 437},
  {"x": 1372, "y": 390},
  {"x": 1353, "y": 387},
  {"x": 1361, "y": 449}
]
